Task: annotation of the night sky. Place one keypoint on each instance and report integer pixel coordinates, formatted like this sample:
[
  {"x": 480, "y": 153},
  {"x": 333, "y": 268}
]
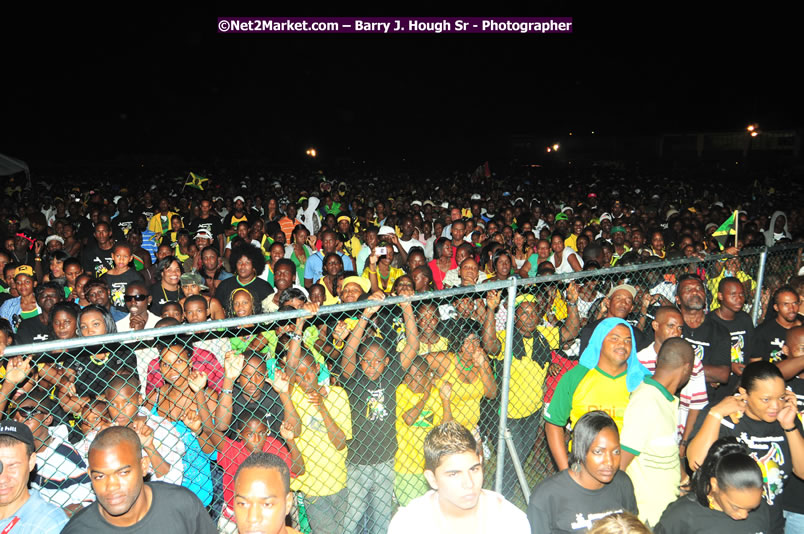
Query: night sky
[{"x": 169, "y": 84}]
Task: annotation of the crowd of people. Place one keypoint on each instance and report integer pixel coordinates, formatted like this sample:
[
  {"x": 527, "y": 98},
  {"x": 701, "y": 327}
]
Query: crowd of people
[{"x": 682, "y": 415}]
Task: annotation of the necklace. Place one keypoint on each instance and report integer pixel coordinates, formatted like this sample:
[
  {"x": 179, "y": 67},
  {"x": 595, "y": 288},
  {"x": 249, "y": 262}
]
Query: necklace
[{"x": 465, "y": 368}]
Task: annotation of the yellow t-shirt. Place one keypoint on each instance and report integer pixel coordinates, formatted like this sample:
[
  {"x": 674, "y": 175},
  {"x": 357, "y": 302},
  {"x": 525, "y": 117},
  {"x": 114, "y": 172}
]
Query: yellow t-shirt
[
  {"x": 465, "y": 398},
  {"x": 324, "y": 465},
  {"x": 387, "y": 285},
  {"x": 582, "y": 390},
  {"x": 649, "y": 433},
  {"x": 526, "y": 393},
  {"x": 410, "y": 438}
]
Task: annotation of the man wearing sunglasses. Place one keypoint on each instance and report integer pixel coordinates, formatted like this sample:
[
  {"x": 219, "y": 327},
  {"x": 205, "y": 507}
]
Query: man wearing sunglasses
[
  {"x": 20, "y": 507},
  {"x": 61, "y": 475},
  {"x": 137, "y": 299}
]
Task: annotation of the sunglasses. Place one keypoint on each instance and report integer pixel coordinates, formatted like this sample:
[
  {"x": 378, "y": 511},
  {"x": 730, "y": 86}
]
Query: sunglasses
[
  {"x": 138, "y": 298},
  {"x": 29, "y": 411}
]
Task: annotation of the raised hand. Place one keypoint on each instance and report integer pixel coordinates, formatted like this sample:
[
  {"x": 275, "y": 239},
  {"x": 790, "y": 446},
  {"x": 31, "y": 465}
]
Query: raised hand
[
  {"x": 198, "y": 381},
  {"x": 445, "y": 390},
  {"x": 787, "y": 415},
  {"x": 286, "y": 431},
  {"x": 281, "y": 381},
  {"x": 17, "y": 369},
  {"x": 493, "y": 299},
  {"x": 572, "y": 292},
  {"x": 376, "y": 296},
  {"x": 341, "y": 331},
  {"x": 145, "y": 433},
  {"x": 233, "y": 365},
  {"x": 311, "y": 307},
  {"x": 192, "y": 421}
]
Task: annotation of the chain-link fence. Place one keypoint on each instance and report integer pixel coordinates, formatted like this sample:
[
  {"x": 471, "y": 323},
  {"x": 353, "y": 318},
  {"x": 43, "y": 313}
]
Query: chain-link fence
[{"x": 348, "y": 394}]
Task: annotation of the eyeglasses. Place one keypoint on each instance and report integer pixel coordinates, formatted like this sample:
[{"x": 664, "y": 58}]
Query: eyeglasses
[
  {"x": 29, "y": 411},
  {"x": 138, "y": 298}
]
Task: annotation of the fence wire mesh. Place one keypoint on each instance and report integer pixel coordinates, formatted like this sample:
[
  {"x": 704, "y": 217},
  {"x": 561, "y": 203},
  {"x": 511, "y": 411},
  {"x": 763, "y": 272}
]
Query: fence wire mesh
[{"x": 346, "y": 395}]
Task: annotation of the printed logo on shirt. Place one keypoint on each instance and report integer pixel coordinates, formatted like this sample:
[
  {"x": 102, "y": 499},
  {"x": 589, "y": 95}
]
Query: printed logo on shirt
[
  {"x": 316, "y": 424},
  {"x": 737, "y": 345},
  {"x": 585, "y": 523},
  {"x": 40, "y": 337},
  {"x": 776, "y": 354},
  {"x": 425, "y": 419},
  {"x": 375, "y": 406},
  {"x": 773, "y": 475},
  {"x": 118, "y": 290}
]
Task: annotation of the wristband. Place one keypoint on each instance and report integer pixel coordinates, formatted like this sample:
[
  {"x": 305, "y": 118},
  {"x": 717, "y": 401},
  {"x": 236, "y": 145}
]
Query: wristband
[
  {"x": 228, "y": 391},
  {"x": 572, "y": 304},
  {"x": 365, "y": 317},
  {"x": 789, "y": 429},
  {"x": 295, "y": 336},
  {"x": 716, "y": 416},
  {"x": 339, "y": 346}
]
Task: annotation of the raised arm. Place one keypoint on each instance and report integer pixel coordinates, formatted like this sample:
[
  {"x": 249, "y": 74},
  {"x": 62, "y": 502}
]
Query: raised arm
[
  {"x": 349, "y": 356},
  {"x": 411, "y": 348},
  {"x": 573, "y": 323}
]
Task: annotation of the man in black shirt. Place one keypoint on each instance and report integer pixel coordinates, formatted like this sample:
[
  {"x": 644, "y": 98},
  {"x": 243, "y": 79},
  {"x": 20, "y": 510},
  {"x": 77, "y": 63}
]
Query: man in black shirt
[
  {"x": 125, "y": 502},
  {"x": 730, "y": 315},
  {"x": 770, "y": 335},
  {"x": 210, "y": 222},
  {"x": 36, "y": 329},
  {"x": 709, "y": 340},
  {"x": 96, "y": 258}
]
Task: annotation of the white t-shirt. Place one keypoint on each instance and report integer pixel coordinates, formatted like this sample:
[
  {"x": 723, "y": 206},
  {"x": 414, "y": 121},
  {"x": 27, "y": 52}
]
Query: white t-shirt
[
  {"x": 61, "y": 473},
  {"x": 494, "y": 514}
]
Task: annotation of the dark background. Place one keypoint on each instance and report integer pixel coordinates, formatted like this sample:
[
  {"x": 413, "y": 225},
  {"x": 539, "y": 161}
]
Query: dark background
[{"x": 126, "y": 85}]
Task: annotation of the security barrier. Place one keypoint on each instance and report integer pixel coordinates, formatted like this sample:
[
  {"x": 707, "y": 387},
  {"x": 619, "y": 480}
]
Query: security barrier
[{"x": 346, "y": 394}]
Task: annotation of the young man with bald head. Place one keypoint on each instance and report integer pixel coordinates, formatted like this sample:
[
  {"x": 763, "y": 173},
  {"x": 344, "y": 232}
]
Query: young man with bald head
[
  {"x": 126, "y": 503},
  {"x": 648, "y": 440}
]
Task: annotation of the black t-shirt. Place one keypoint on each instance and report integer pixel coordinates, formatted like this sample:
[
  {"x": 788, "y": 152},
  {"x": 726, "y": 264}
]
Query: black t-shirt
[
  {"x": 768, "y": 341},
  {"x": 741, "y": 332},
  {"x": 95, "y": 260},
  {"x": 122, "y": 223},
  {"x": 118, "y": 283},
  {"x": 31, "y": 330},
  {"x": 161, "y": 296},
  {"x": 688, "y": 516},
  {"x": 373, "y": 404},
  {"x": 258, "y": 288},
  {"x": 712, "y": 344},
  {"x": 559, "y": 505},
  {"x": 213, "y": 224},
  {"x": 793, "y": 496},
  {"x": 767, "y": 444},
  {"x": 174, "y": 509},
  {"x": 642, "y": 339}
]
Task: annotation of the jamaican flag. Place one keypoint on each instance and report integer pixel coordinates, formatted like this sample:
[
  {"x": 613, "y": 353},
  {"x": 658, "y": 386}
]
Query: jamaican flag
[
  {"x": 196, "y": 181},
  {"x": 729, "y": 227}
]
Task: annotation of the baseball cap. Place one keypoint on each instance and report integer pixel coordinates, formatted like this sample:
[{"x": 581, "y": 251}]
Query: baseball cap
[
  {"x": 238, "y": 197},
  {"x": 189, "y": 279},
  {"x": 631, "y": 289},
  {"x": 18, "y": 431},
  {"x": 562, "y": 217},
  {"x": 24, "y": 269},
  {"x": 386, "y": 230},
  {"x": 203, "y": 233}
]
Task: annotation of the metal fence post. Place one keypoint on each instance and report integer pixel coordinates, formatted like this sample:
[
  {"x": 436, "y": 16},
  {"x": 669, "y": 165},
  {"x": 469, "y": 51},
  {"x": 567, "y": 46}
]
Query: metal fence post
[
  {"x": 760, "y": 280},
  {"x": 509, "y": 334}
]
